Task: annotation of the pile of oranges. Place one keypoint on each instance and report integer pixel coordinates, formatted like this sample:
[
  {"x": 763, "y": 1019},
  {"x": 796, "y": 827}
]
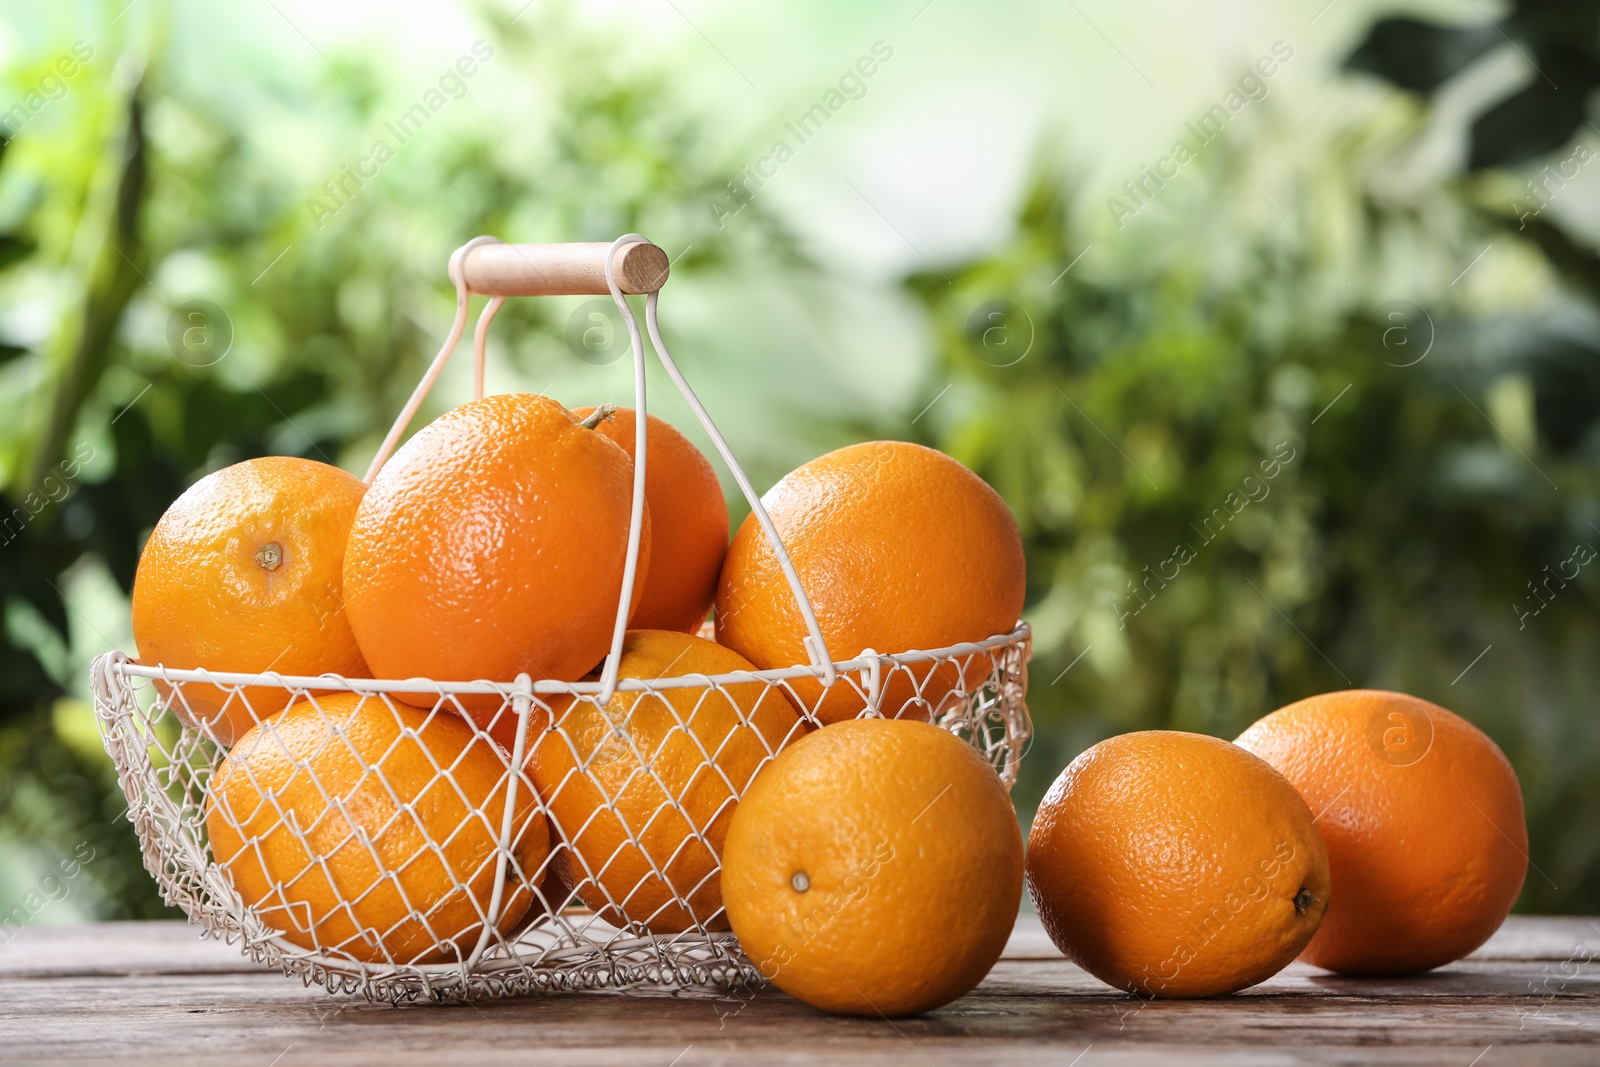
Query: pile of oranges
[
  {"x": 493, "y": 545},
  {"x": 868, "y": 864},
  {"x": 1366, "y": 832}
]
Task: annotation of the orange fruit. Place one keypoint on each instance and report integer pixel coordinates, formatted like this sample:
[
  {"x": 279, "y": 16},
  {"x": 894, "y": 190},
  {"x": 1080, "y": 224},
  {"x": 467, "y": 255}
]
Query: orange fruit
[
  {"x": 242, "y": 573},
  {"x": 874, "y": 868},
  {"x": 493, "y": 544},
  {"x": 557, "y": 891},
  {"x": 1176, "y": 865},
  {"x": 689, "y": 523},
  {"x": 337, "y": 826},
  {"x": 899, "y": 547},
  {"x": 642, "y": 789},
  {"x": 1423, "y": 818}
]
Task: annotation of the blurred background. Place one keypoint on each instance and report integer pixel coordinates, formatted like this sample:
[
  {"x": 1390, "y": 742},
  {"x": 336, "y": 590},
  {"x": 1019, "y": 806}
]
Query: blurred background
[{"x": 1122, "y": 260}]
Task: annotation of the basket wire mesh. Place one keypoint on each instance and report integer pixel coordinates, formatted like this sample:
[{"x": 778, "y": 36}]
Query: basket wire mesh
[{"x": 379, "y": 838}]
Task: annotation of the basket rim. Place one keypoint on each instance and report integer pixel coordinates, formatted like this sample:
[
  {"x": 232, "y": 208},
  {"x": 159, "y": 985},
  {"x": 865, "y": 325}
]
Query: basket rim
[{"x": 121, "y": 663}]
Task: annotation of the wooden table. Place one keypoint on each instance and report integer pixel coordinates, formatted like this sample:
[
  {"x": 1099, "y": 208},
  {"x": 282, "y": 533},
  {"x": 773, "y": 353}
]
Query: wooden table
[{"x": 127, "y": 993}]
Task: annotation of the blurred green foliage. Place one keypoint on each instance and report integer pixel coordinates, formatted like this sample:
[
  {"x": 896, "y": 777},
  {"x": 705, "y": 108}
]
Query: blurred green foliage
[
  {"x": 1560, "y": 39},
  {"x": 1246, "y": 475},
  {"x": 1429, "y": 430}
]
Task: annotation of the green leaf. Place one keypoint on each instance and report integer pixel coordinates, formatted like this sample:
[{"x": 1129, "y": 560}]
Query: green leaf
[
  {"x": 14, "y": 249},
  {"x": 1529, "y": 123},
  {"x": 1566, "y": 380},
  {"x": 1419, "y": 56}
]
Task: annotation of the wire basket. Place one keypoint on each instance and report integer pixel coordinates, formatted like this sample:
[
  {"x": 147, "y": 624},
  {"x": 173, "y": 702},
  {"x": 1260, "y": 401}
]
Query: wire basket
[{"x": 509, "y": 852}]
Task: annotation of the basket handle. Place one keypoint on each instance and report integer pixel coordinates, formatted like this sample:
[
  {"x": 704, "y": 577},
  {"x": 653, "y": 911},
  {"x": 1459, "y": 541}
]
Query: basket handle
[
  {"x": 628, "y": 265},
  {"x": 578, "y": 269},
  {"x": 488, "y": 266},
  {"x": 816, "y": 646}
]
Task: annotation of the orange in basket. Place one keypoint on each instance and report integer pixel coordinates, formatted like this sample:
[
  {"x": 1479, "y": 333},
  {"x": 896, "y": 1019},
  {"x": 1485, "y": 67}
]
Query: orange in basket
[
  {"x": 900, "y": 547},
  {"x": 242, "y": 574},
  {"x": 358, "y": 827},
  {"x": 642, "y": 788},
  {"x": 492, "y": 544},
  {"x": 689, "y": 523}
]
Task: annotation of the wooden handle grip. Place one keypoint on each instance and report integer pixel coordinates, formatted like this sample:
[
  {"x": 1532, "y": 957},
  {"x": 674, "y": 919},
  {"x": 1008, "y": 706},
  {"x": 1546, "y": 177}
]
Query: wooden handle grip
[{"x": 577, "y": 269}]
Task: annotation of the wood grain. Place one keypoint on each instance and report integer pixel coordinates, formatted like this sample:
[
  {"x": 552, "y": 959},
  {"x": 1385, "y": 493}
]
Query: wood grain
[{"x": 122, "y": 993}]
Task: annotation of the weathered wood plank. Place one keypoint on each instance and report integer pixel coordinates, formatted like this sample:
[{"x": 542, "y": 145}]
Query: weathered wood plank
[
  {"x": 175, "y": 947},
  {"x": 118, "y": 948},
  {"x": 1522, "y": 937},
  {"x": 137, "y": 993},
  {"x": 1026, "y": 1012}
]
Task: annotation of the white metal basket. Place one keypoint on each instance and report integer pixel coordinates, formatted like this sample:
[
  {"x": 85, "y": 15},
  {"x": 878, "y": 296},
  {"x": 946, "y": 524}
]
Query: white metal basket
[{"x": 627, "y": 893}]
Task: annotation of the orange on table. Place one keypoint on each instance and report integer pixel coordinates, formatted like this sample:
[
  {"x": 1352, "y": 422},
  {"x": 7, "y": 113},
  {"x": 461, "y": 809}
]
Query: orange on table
[
  {"x": 242, "y": 573},
  {"x": 1176, "y": 865},
  {"x": 874, "y": 867},
  {"x": 1423, "y": 818},
  {"x": 493, "y": 543},
  {"x": 336, "y": 825},
  {"x": 642, "y": 789},
  {"x": 689, "y": 523},
  {"x": 899, "y": 547}
]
